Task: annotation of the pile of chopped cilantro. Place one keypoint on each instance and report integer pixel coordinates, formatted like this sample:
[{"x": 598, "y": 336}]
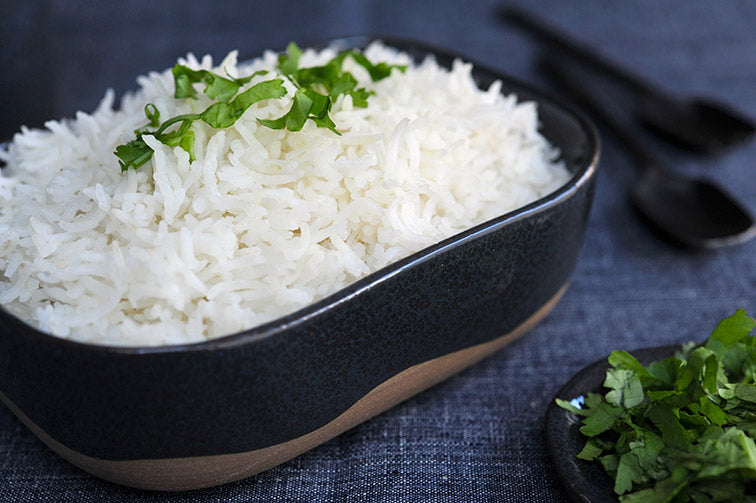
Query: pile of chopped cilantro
[{"x": 680, "y": 429}]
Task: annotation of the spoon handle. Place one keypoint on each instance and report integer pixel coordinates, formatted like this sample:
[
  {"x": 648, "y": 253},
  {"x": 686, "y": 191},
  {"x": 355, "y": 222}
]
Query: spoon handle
[
  {"x": 562, "y": 42},
  {"x": 576, "y": 89}
]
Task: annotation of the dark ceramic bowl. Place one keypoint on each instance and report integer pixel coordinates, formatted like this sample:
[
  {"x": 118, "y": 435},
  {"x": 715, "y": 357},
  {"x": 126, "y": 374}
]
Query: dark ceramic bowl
[{"x": 191, "y": 416}]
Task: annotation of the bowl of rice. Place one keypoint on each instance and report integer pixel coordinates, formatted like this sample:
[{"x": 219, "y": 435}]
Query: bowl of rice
[{"x": 212, "y": 314}]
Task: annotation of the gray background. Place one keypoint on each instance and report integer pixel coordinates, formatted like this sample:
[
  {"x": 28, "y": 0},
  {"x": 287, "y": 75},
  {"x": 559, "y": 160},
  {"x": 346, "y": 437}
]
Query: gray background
[{"x": 478, "y": 436}]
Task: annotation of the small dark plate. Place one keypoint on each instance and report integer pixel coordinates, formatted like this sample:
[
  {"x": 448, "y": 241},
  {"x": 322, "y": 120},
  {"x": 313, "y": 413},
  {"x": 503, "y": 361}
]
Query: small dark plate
[{"x": 585, "y": 481}]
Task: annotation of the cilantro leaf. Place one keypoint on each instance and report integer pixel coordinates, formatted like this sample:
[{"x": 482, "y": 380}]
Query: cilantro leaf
[
  {"x": 294, "y": 119},
  {"x": 289, "y": 61},
  {"x": 602, "y": 419},
  {"x": 713, "y": 412},
  {"x": 629, "y": 472},
  {"x": 133, "y": 154},
  {"x": 377, "y": 71},
  {"x": 223, "y": 115},
  {"x": 729, "y": 331},
  {"x": 594, "y": 447},
  {"x": 217, "y": 87},
  {"x": 746, "y": 392},
  {"x": 153, "y": 114},
  {"x": 572, "y": 406},
  {"x": 626, "y": 389}
]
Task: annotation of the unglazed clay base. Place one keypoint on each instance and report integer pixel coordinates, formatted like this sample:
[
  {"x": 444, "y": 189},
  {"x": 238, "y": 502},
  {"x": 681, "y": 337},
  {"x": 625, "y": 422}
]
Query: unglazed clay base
[{"x": 178, "y": 474}]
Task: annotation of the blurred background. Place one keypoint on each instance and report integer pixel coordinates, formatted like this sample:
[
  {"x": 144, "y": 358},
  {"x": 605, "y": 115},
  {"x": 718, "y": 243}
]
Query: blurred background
[
  {"x": 59, "y": 57},
  {"x": 479, "y": 436}
]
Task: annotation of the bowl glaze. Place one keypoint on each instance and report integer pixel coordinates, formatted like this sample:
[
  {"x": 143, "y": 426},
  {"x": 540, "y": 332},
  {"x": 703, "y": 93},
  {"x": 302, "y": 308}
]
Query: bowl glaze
[{"x": 191, "y": 416}]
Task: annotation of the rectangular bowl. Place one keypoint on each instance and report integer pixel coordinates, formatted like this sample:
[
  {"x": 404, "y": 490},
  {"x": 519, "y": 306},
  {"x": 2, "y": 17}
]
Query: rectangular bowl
[{"x": 192, "y": 416}]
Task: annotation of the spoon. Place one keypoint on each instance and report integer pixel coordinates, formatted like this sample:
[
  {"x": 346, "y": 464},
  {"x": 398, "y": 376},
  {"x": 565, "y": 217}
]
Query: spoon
[
  {"x": 692, "y": 211},
  {"x": 698, "y": 124}
]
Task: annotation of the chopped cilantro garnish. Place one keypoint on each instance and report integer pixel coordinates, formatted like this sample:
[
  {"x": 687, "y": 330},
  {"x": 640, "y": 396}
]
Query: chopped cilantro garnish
[
  {"x": 680, "y": 429},
  {"x": 319, "y": 86},
  {"x": 316, "y": 90}
]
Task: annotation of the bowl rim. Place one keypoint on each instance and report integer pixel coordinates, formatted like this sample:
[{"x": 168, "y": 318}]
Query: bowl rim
[{"x": 273, "y": 327}]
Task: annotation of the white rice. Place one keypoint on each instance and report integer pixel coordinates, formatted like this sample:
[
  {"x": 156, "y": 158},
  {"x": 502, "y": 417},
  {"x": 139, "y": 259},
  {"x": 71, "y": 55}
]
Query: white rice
[{"x": 264, "y": 221}]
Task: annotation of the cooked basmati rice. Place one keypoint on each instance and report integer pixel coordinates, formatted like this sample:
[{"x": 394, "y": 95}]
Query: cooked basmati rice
[{"x": 264, "y": 221}]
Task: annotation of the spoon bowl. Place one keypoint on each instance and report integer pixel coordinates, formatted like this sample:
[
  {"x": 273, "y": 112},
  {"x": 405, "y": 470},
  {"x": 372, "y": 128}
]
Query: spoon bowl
[{"x": 692, "y": 211}]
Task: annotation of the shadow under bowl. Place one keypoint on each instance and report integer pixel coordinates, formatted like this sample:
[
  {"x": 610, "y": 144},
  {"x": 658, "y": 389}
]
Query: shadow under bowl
[{"x": 198, "y": 415}]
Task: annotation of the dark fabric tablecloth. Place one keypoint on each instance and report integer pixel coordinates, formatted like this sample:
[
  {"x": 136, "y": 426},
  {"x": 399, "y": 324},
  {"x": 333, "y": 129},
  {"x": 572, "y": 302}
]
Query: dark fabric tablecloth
[{"x": 478, "y": 437}]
